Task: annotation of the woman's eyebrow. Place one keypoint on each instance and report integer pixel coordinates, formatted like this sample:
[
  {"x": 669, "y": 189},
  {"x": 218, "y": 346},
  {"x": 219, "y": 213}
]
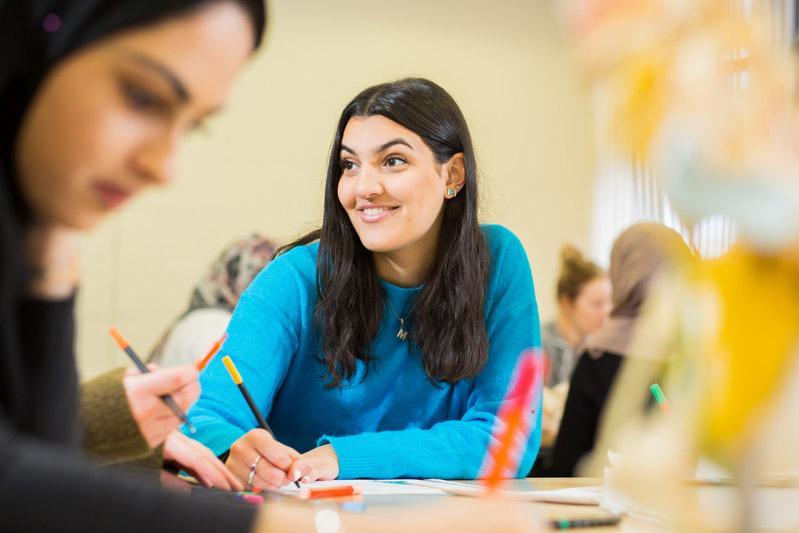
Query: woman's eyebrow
[
  {"x": 382, "y": 147},
  {"x": 392, "y": 142},
  {"x": 164, "y": 72}
]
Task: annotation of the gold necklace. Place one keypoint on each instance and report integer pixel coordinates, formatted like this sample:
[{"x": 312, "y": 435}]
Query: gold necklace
[{"x": 402, "y": 334}]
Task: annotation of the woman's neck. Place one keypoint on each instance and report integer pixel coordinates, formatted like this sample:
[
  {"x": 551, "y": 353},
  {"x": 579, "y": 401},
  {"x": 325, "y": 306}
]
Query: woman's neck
[
  {"x": 404, "y": 270},
  {"x": 569, "y": 331}
]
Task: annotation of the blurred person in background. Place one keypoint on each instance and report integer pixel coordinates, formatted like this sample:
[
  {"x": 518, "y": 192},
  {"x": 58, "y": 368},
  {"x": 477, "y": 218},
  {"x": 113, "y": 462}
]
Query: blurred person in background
[
  {"x": 212, "y": 301},
  {"x": 638, "y": 254},
  {"x": 583, "y": 294}
]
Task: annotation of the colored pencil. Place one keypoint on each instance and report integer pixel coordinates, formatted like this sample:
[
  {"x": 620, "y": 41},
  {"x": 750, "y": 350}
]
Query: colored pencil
[
  {"x": 203, "y": 361},
  {"x": 236, "y": 377},
  {"x": 327, "y": 492},
  {"x": 167, "y": 399},
  {"x": 660, "y": 398},
  {"x": 574, "y": 523},
  {"x": 511, "y": 429}
]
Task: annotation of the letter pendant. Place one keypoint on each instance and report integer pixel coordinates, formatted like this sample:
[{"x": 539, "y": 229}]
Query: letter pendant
[{"x": 402, "y": 334}]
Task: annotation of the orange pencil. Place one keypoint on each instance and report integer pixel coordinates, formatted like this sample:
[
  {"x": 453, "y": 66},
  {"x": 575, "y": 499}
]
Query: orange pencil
[
  {"x": 166, "y": 398},
  {"x": 511, "y": 429},
  {"x": 203, "y": 361},
  {"x": 329, "y": 492}
]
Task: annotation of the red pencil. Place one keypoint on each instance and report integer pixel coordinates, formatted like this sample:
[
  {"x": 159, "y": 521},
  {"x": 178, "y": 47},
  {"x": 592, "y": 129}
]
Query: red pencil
[{"x": 329, "y": 492}]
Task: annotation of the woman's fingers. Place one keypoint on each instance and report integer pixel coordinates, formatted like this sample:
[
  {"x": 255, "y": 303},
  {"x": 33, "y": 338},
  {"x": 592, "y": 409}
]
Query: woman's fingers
[
  {"x": 268, "y": 476},
  {"x": 319, "y": 463},
  {"x": 143, "y": 391},
  {"x": 222, "y": 477},
  {"x": 186, "y": 396},
  {"x": 205, "y": 465},
  {"x": 200, "y": 461},
  {"x": 276, "y": 453},
  {"x": 271, "y": 468},
  {"x": 168, "y": 380},
  {"x": 302, "y": 470}
]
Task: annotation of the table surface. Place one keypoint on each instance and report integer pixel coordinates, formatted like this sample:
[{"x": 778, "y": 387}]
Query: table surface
[
  {"x": 548, "y": 511},
  {"x": 777, "y": 503}
]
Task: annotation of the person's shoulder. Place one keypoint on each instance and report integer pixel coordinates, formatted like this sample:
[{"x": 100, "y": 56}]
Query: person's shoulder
[
  {"x": 498, "y": 236},
  {"x": 510, "y": 283},
  {"x": 505, "y": 247},
  {"x": 302, "y": 257},
  {"x": 296, "y": 266}
]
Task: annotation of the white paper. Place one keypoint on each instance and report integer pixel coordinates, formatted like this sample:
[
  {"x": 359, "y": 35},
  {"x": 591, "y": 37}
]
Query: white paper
[
  {"x": 571, "y": 495},
  {"x": 368, "y": 487}
]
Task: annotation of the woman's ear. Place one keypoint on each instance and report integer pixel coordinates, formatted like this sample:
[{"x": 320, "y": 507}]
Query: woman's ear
[
  {"x": 455, "y": 175},
  {"x": 566, "y": 303}
]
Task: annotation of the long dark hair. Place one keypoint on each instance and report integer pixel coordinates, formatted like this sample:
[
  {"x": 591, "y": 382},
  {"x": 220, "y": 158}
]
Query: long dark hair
[{"x": 447, "y": 317}]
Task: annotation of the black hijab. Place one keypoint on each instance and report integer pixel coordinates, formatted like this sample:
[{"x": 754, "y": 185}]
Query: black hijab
[{"x": 35, "y": 35}]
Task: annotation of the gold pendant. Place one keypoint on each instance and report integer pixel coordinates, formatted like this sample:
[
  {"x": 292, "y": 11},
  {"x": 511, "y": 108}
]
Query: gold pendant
[{"x": 402, "y": 334}]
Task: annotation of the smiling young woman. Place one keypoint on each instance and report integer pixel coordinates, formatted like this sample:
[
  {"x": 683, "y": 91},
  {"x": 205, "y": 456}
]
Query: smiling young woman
[{"x": 381, "y": 345}]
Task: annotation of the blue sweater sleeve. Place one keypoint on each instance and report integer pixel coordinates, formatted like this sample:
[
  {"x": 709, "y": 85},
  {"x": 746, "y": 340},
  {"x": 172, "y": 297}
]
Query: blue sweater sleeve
[
  {"x": 455, "y": 449},
  {"x": 263, "y": 336}
]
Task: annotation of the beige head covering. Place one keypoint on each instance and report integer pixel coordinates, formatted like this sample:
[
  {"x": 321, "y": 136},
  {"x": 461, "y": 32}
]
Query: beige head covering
[{"x": 637, "y": 255}]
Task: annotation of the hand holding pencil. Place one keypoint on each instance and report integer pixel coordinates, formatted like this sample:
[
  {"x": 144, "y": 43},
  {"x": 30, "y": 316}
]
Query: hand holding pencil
[
  {"x": 257, "y": 458},
  {"x": 271, "y": 470},
  {"x": 143, "y": 392},
  {"x": 158, "y": 398}
]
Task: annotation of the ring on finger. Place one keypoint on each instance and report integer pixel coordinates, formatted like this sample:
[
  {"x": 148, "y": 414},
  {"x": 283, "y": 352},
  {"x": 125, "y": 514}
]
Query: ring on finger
[{"x": 251, "y": 474}]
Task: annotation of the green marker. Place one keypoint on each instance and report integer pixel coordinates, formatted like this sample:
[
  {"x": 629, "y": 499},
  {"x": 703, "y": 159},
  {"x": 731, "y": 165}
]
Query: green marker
[
  {"x": 575, "y": 523},
  {"x": 660, "y": 398}
]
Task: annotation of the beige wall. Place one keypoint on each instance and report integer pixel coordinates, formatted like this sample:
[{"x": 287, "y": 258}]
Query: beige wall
[{"x": 261, "y": 167}]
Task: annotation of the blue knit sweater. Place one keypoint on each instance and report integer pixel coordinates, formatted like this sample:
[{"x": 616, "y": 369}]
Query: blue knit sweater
[{"x": 391, "y": 421}]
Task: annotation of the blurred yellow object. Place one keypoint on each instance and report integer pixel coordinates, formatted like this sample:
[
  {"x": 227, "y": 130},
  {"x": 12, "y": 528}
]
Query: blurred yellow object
[
  {"x": 661, "y": 58},
  {"x": 746, "y": 357}
]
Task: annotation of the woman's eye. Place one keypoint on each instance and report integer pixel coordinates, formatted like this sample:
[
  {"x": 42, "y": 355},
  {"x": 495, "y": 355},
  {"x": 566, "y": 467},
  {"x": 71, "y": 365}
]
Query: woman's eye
[
  {"x": 143, "y": 99},
  {"x": 394, "y": 161},
  {"x": 347, "y": 165}
]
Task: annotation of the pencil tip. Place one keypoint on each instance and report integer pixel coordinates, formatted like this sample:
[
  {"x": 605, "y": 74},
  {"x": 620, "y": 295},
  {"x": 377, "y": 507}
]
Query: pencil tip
[{"x": 120, "y": 340}]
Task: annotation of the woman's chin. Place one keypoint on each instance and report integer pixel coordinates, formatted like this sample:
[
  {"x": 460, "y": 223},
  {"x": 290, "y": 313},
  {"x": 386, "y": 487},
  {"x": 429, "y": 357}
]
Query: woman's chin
[
  {"x": 378, "y": 244},
  {"x": 377, "y": 247},
  {"x": 81, "y": 220}
]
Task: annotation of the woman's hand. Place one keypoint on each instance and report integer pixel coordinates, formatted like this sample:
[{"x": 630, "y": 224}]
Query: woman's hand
[
  {"x": 318, "y": 464},
  {"x": 271, "y": 459},
  {"x": 52, "y": 254},
  {"x": 199, "y": 461},
  {"x": 156, "y": 421}
]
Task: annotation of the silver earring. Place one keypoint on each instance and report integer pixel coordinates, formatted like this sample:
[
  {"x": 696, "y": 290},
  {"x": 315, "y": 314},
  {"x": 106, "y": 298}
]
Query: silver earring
[{"x": 451, "y": 192}]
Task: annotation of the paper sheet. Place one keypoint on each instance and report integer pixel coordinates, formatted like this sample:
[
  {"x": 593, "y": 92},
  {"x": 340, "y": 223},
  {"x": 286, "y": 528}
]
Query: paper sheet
[
  {"x": 369, "y": 487},
  {"x": 572, "y": 495}
]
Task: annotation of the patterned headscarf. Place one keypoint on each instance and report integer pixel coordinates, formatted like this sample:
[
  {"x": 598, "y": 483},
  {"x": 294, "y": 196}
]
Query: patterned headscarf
[{"x": 232, "y": 271}]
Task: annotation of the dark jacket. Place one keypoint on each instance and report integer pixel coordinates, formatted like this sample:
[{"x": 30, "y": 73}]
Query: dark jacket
[{"x": 589, "y": 388}]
